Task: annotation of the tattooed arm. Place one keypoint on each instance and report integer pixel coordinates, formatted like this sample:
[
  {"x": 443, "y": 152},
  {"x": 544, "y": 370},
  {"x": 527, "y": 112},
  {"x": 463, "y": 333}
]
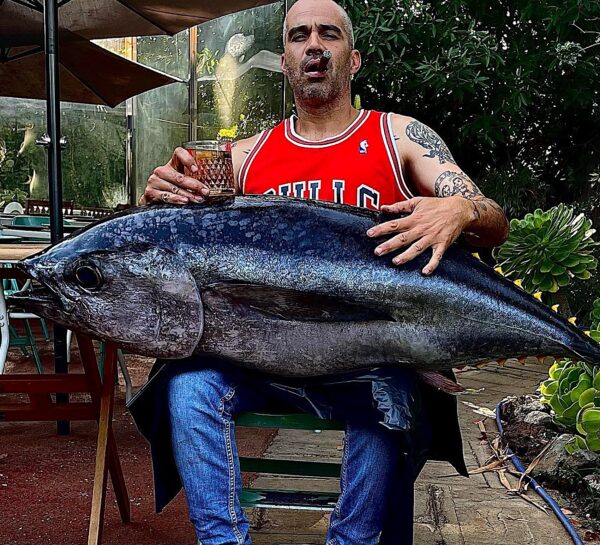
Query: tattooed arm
[
  {"x": 450, "y": 203},
  {"x": 488, "y": 225}
]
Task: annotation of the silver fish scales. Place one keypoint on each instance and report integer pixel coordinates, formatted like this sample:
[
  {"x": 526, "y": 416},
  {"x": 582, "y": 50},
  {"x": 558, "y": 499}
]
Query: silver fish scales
[{"x": 288, "y": 287}]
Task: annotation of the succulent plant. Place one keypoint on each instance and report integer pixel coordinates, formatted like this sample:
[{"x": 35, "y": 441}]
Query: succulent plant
[
  {"x": 573, "y": 392},
  {"x": 545, "y": 250}
]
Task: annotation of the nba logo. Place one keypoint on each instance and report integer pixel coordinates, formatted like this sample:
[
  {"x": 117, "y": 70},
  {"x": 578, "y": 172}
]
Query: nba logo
[{"x": 362, "y": 147}]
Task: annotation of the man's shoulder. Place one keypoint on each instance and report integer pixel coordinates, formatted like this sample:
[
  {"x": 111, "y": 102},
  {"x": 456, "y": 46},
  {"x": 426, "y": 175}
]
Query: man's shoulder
[
  {"x": 400, "y": 122},
  {"x": 246, "y": 143}
]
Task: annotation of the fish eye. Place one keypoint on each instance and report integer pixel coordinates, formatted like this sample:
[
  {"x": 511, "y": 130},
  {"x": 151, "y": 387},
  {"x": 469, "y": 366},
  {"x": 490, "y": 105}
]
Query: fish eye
[{"x": 88, "y": 277}]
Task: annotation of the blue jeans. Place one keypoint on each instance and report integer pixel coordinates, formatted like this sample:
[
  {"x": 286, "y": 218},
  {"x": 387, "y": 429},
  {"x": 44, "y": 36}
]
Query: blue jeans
[{"x": 376, "y": 489}]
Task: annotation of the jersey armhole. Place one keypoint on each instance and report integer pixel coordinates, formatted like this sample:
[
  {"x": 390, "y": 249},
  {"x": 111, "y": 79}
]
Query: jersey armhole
[
  {"x": 387, "y": 134},
  {"x": 247, "y": 162}
]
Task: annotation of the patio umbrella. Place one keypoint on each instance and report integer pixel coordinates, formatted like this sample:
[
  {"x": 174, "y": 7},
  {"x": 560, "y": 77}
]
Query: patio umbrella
[
  {"x": 94, "y": 19},
  {"x": 88, "y": 73}
]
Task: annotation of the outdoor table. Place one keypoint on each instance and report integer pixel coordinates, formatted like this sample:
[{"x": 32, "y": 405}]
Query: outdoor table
[
  {"x": 27, "y": 233},
  {"x": 10, "y": 253},
  {"x": 41, "y": 407}
]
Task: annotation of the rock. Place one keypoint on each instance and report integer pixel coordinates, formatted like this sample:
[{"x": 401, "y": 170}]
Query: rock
[
  {"x": 593, "y": 483},
  {"x": 532, "y": 405},
  {"x": 556, "y": 456},
  {"x": 584, "y": 461},
  {"x": 565, "y": 470},
  {"x": 538, "y": 418}
]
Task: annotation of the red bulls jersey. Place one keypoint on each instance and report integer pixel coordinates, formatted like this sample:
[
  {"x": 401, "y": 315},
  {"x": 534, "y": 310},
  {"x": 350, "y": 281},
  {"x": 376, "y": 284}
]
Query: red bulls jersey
[{"x": 360, "y": 166}]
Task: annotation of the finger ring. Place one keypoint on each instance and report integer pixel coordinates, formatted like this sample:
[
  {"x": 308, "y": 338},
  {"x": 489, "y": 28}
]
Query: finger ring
[
  {"x": 175, "y": 189},
  {"x": 164, "y": 197}
]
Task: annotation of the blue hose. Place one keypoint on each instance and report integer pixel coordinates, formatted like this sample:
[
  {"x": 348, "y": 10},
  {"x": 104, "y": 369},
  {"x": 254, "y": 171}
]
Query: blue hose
[{"x": 541, "y": 492}]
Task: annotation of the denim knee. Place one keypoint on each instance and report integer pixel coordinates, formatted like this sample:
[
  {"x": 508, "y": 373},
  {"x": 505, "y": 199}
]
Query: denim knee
[{"x": 196, "y": 392}]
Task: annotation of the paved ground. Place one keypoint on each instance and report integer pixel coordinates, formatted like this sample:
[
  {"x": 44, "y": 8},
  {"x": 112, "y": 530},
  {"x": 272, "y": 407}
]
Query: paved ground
[{"x": 450, "y": 510}]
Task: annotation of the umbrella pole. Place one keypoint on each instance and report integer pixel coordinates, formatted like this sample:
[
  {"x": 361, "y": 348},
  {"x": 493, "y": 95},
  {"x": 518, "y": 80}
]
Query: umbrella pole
[{"x": 55, "y": 175}]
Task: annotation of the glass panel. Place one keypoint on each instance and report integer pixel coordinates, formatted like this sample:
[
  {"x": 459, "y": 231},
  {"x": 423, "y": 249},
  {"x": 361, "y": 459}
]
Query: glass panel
[
  {"x": 93, "y": 162},
  {"x": 160, "y": 115},
  {"x": 240, "y": 85},
  {"x": 22, "y": 164}
]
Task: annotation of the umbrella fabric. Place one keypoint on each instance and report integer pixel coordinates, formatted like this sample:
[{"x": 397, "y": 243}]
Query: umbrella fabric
[
  {"x": 88, "y": 74},
  {"x": 95, "y": 19}
]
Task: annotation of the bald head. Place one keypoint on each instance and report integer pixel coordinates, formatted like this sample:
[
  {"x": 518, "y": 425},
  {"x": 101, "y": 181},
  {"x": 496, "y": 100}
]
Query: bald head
[{"x": 307, "y": 6}]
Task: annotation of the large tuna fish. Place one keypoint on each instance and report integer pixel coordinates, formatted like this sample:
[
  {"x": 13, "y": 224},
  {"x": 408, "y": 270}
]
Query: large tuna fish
[{"x": 286, "y": 286}]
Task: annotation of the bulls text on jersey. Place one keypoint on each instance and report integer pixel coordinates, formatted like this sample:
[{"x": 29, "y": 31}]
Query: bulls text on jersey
[{"x": 366, "y": 196}]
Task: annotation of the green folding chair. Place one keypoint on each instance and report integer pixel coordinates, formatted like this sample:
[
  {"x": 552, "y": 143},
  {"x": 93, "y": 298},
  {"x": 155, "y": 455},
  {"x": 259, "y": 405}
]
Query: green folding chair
[
  {"x": 9, "y": 335},
  {"x": 288, "y": 499}
]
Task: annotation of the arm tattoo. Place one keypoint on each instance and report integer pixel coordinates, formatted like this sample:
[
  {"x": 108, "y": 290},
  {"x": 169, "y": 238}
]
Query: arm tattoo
[
  {"x": 430, "y": 140},
  {"x": 456, "y": 183}
]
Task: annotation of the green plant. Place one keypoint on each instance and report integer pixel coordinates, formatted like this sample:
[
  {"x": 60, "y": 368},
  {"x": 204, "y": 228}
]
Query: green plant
[
  {"x": 206, "y": 61},
  {"x": 545, "y": 250},
  {"x": 10, "y": 195},
  {"x": 573, "y": 392}
]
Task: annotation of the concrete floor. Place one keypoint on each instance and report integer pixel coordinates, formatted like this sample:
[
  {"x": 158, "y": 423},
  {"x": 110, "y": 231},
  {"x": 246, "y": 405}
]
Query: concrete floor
[{"x": 450, "y": 510}]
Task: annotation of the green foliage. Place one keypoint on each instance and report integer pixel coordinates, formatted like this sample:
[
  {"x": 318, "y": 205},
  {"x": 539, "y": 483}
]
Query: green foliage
[
  {"x": 206, "y": 61},
  {"x": 546, "y": 250},
  {"x": 512, "y": 86},
  {"x": 573, "y": 392},
  {"x": 12, "y": 195}
]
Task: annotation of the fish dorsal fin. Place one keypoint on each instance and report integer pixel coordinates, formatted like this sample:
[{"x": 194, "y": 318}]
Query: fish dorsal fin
[{"x": 288, "y": 304}]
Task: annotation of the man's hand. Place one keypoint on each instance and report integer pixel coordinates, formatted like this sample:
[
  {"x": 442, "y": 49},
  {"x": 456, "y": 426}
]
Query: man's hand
[
  {"x": 432, "y": 223},
  {"x": 169, "y": 184}
]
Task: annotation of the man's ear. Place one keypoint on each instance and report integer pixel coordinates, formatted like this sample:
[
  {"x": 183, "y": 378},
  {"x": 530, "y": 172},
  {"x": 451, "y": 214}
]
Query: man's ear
[
  {"x": 356, "y": 61},
  {"x": 283, "y": 65}
]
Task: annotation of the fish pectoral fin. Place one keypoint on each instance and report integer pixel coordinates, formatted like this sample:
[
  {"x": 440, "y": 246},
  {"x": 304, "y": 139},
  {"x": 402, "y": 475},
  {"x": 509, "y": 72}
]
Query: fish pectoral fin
[
  {"x": 440, "y": 382},
  {"x": 287, "y": 304}
]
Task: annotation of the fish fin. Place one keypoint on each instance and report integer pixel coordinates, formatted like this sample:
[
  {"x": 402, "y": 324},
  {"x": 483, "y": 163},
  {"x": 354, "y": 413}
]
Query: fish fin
[
  {"x": 440, "y": 382},
  {"x": 290, "y": 304}
]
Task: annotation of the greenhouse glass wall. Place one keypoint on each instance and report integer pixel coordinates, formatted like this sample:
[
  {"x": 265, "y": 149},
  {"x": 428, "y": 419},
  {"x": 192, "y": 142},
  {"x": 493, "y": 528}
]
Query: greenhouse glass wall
[{"x": 231, "y": 84}]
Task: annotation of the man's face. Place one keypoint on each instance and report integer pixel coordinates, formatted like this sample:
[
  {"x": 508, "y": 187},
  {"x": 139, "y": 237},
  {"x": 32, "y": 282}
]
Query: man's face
[{"x": 314, "y": 26}]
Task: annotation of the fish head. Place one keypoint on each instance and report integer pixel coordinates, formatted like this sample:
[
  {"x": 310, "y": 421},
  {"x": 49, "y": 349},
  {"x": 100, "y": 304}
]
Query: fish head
[{"x": 141, "y": 296}]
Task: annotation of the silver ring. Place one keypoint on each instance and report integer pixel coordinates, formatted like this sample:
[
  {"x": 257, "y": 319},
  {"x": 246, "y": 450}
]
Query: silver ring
[
  {"x": 164, "y": 197},
  {"x": 175, "y": 189}
]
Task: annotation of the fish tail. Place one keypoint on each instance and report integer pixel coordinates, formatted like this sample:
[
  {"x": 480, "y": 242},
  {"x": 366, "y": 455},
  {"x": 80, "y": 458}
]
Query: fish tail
[{"x": 586, "y": 349}]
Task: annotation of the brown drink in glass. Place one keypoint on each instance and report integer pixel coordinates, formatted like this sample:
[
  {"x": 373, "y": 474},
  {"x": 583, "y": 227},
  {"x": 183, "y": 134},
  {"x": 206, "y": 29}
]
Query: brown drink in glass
[{"x": 215, "y": 167}]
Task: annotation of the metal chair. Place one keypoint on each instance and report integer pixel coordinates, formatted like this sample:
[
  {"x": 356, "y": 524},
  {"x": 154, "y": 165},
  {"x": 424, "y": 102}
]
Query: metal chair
[
  {"x": 288, "y": 499},
  {"x": 9, "y": 336}
]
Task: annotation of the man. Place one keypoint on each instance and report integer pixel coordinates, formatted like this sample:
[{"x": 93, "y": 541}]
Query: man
[{"x": 330, "y": 151}]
